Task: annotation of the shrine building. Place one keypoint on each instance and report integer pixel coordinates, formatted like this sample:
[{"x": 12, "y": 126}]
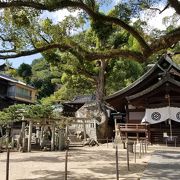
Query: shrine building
[{"x": 150, "y": 107}]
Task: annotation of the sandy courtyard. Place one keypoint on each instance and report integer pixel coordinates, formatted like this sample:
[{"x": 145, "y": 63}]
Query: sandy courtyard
[{"x": 85, "y": 163}]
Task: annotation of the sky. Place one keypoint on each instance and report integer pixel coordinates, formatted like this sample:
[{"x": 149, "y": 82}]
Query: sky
[{"x": 154, "y": 21}]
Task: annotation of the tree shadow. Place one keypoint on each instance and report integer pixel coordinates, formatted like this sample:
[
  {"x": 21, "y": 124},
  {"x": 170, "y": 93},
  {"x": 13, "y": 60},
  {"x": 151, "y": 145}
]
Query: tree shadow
[
  {"x": 38, "y": 159},
  {"x": 47, "y": 175},
  {"x": 163, "y": 165}
]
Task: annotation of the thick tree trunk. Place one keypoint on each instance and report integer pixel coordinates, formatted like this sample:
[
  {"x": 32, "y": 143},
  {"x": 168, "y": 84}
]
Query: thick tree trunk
[
  {"x": 103, "y": 129},
  {"x": 100, "y": 90}
]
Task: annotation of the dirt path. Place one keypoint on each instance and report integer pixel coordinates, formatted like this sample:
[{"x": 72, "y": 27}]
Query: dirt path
[{"x": 86, "y": 163}]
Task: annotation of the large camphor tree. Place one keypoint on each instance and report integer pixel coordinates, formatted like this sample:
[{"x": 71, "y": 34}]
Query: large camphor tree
[{"x": 23, "y": 34}]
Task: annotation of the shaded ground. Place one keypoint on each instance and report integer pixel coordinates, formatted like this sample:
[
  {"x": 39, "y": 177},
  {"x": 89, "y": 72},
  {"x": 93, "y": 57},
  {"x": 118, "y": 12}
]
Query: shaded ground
[
  {"x": 85, "y": 163},
  {"x": 164, "y": 164}
]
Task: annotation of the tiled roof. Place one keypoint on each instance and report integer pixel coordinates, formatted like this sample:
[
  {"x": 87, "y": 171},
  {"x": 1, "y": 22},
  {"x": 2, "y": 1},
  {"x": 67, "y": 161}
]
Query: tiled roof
[
  {"x": 11, "y": 79},
  {"x": 83, "y": 99}
]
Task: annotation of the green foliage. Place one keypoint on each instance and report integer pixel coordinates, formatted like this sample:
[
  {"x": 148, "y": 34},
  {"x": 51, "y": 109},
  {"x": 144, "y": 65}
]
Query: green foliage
[
  {"x": 122, "y": 73},
  {"x": 102, "y": 29},
  {"x": 67, "y": 69},
  {"x": 5, "y": 118},
  {"x": 41, "y": 78},
  {"x": 122, "y": 11},
  {"x": 21, "y": 112},
  {"x": 25, "y": 72},
  {"x": 119, "y": 39},
  {"x": 20, "y": 19},
  {"x": 48, "y": 100}
]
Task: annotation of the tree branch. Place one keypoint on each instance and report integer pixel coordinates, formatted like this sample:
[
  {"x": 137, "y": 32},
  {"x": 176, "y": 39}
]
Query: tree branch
[
  {"x": 165, "y": 41},
  {"x": 34, "y": 51},
  {"x": 175, "y": 4},
  {"x": 8, "y": 51},
  {"x": 6, "y": 39},
  {"x": 162, "y": 43},
  {"x": 75, "y": 4}
]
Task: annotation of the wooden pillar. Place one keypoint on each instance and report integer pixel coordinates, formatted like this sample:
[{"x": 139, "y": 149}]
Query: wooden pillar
[
  {"x": 23, "y": 135},
  {"x": 84, "y": 127},
  {"x": 53, "y": 137},
  {"x": 30, "y": 136},
  {"x": 1, "y": 132},
  {"x": 41, "y": 136},
  {"x": 127, "y": 113},
  {"x": 95, "y": 129},
  {"x": 66, "y": 130},
  {"x": 115, "y": 126},
  {"x": 59, "y": 140}
]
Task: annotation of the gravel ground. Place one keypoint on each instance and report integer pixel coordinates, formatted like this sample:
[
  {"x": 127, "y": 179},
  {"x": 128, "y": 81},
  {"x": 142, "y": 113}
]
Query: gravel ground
[{"x": 84, "y": 163}]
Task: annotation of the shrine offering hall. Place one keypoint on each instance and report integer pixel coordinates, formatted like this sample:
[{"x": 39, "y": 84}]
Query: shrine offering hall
[{"x": 150, "y": 107}]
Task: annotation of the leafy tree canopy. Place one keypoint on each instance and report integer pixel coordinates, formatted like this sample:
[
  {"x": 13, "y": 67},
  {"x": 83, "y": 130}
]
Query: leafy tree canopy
[
  {"x": 76, "y": 45},
  {"x": 22, "y": 33}
]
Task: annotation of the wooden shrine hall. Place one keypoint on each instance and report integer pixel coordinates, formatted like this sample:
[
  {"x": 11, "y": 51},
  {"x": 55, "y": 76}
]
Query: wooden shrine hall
[{"x": 151, "y": 104}]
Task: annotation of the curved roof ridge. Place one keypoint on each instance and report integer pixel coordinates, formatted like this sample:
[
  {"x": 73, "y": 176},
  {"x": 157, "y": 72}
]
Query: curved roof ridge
[
  {"x": 144, "y": 76},
  {"x": 153, "y": 87}
]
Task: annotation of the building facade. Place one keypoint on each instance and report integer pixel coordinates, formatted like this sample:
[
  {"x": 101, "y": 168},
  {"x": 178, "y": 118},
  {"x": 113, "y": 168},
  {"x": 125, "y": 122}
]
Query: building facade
[{"x": 13, "y": 91}]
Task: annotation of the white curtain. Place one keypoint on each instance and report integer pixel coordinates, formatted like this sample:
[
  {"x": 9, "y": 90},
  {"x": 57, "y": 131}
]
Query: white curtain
[
  {"x": 158, "y": 115},
  {"x": 175, "y": 114}
]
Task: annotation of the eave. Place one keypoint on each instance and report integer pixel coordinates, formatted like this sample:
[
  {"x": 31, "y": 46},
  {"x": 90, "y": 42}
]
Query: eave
[{"x": 153, "y": 88}]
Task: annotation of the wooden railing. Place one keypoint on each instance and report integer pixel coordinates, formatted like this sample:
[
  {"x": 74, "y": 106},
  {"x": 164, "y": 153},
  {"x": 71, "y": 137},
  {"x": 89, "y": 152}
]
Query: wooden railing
[
  {"x": 133, "y": 131},
  {"x": 132, "y": 127}
]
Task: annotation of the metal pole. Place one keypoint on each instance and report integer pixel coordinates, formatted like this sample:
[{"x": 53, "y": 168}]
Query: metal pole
[
  {"x": 139, "y": 149},
  {"x": 170, "y": 128},
  {"x": 7, "y": 164},
  {"x": 135, "y": 151},
  {"x": 127, "y": 155},
  {"x": 145, "y": 145},
  {"x": 84, "y": 127},
  {"x": 66, "y": 162},
  {"x": 117, "y": 165},
  {"x": 107, "y": 142}
]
